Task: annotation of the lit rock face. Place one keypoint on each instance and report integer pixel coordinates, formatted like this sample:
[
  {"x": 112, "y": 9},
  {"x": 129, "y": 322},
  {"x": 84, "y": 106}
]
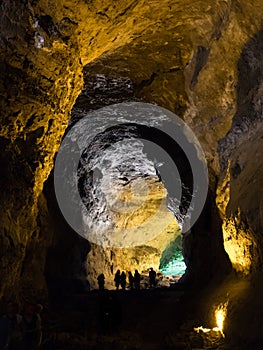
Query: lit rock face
[
  {"x": 240, "y": 203},
  {"x": 40, "y": 79},
  {"x": 215, "y": 84},
  {"x": 142, "y": 257},
  {"x": 126, "y": 196},
  {"x": 202, "y": 61},
  {"x": 125, "y": 201},
  {"x": 125, "y": 215},
  {"x": 240, "y": 189}
]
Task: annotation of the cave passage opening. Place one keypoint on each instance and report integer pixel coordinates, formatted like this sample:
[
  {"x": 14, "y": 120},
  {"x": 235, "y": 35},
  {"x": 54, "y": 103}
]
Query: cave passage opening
[
  {"x": 124, "y": 191},
  {"x": 126, "y": 179},
  {"x": 172, "y": 260}
]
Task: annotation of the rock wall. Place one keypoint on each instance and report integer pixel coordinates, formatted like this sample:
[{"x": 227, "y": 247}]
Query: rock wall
[
  {"x": 41, "y": 77},
  {"x": 201, "y": 60},
  {"x": 213, "y": 81}
]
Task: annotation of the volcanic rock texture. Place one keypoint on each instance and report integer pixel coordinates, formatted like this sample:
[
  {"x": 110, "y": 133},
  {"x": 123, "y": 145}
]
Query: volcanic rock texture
[{"x": 199, "y": 59}]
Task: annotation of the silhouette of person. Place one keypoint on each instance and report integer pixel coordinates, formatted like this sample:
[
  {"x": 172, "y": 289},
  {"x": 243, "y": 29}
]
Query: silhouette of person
[
  {"x": 152, "y": 277},
  {"x": 131, "y": 280},
  {"x": 117, "y": 279},
  {"x": 123, "y": 280},
  {"x": 137, "y": 280},
  {"x": 101, "y": 281}
]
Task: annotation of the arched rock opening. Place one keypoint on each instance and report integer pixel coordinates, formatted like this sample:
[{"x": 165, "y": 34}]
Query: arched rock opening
[
  {"x": 206, "y": 235},
  {"x": 206, "y": 68}
]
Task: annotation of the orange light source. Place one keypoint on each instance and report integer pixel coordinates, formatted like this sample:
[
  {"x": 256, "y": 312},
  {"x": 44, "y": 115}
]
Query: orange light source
[{"x": 220, "y": 315}]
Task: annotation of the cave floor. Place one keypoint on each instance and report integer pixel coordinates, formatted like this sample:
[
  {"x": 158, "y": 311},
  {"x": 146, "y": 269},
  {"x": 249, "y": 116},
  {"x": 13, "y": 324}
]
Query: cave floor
[{"x": 152, "y": 319}]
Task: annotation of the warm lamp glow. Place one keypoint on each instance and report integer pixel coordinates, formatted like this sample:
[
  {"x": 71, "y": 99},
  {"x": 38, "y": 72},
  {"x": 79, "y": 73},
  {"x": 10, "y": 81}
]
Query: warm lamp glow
[
  {"x": 204, "y": 330},
  {"x": 220, "y": 315}
]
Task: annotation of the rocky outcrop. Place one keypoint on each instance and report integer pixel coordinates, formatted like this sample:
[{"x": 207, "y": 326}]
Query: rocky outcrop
[
  {"x": 202, "y": 61},
  {"x": 135, "y": 256},
  {"x": 215, "y": 85},
  {"x": 41, "y": 77}
]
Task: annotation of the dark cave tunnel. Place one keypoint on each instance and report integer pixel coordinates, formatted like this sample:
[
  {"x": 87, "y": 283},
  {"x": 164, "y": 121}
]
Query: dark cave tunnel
[
  {"x": 200, "y": 267},
  {"x": 44, "y": 260},
  {"x": 67, "y": 277}
]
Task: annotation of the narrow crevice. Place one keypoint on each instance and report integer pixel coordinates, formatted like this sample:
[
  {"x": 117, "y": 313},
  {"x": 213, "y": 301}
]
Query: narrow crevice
[
  {"x": 145, "y": 82},
  {"x": 201, "y": 57}
]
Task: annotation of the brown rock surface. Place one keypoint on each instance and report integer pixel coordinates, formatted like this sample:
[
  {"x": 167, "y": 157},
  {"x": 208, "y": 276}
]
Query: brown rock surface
[{"x": 202, "y": 60}]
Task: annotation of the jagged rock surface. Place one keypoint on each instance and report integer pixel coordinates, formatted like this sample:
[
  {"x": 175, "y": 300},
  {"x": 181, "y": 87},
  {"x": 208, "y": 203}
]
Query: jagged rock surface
[{"x": 202, "y": 61}]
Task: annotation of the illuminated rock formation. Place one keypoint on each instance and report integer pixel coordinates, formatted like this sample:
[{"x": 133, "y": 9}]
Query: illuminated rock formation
[
  {"x": 201, "y": 60},
  {"x": 135, "y": 256}
]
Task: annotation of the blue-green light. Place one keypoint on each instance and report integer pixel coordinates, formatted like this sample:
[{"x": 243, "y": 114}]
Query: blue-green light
[
  {"x": 172, "y": 260},
  {"x": 174, "y": 267}
]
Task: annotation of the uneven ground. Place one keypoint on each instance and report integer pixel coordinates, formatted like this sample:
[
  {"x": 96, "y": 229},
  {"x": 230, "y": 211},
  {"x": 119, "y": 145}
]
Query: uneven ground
[{"x": 152, "y": 319}]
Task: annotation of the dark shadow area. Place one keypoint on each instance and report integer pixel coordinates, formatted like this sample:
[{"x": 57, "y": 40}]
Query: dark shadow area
[
  {"x": 203, "y": 249},
  {"x": 249, "y": 98},
  {"x": 200, "y": 58},
  {"x": 65, "y": 263}
]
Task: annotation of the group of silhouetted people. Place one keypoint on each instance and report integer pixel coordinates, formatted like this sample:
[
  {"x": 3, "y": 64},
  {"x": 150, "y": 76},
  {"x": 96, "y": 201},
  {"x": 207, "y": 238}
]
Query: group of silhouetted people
[
  {"x": 20, "y": 331},
  {"x": 120, "y": 280},
  {"x": 110, "y": 310}
]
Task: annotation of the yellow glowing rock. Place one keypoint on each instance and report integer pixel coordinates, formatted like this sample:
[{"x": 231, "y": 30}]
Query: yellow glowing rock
[
  {"x": 149, "y": 229},
  {"x": 146, "y": 204},
  {"x": 220, "y": 315},
  {"x": 130, "y": 38},
  {"x": 237, "y": 240},
  {"x": 139, "y": 214},
  {"x": 238, "y": 243}
]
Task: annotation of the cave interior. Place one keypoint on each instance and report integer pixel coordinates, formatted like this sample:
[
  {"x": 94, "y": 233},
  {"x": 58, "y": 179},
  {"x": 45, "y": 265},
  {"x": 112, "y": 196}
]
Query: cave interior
[{"x": 68, "y": 61}]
